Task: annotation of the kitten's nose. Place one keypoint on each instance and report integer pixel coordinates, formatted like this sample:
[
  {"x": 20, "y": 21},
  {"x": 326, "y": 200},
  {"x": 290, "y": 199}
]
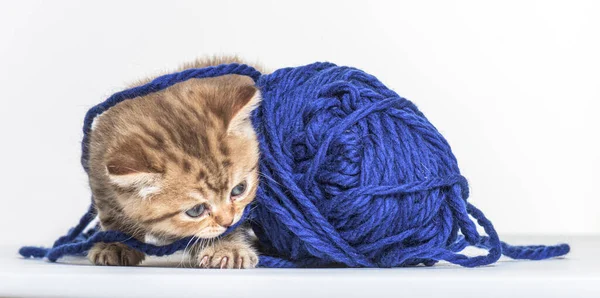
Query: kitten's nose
[{"x": 224, "y": 220}]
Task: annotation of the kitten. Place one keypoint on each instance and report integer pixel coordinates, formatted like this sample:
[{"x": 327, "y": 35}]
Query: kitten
[{"x": 176, "y": 163}]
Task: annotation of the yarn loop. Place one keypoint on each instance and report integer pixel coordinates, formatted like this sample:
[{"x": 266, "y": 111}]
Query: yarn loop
[{"x": 353, "y": 176}]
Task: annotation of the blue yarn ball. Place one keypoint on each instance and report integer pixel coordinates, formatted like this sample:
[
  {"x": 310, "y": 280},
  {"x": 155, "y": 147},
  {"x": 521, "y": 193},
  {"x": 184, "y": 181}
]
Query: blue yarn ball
[{"x": 352, "y": 174}]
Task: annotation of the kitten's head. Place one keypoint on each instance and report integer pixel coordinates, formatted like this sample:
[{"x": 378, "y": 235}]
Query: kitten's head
[{"x": 188, "y": 165}]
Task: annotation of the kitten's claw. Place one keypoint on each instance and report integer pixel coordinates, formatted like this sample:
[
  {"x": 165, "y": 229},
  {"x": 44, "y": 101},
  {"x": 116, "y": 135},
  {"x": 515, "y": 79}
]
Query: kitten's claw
[
  {"x": 204, "y": 262},
  {"x": 224, "y": 262}
]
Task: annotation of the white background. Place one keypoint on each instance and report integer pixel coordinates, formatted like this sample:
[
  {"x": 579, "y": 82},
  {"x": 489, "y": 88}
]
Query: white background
[{"x": 513, "y": 86}]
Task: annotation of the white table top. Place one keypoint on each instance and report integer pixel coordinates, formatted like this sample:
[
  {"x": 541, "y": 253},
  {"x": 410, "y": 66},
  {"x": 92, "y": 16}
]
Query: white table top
[{"x": 577, "y": 275}]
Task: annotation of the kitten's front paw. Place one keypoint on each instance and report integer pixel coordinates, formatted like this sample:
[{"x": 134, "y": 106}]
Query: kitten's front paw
[
  {"x": 228, "y": 254},
  {"x": 114, "y": 254}
]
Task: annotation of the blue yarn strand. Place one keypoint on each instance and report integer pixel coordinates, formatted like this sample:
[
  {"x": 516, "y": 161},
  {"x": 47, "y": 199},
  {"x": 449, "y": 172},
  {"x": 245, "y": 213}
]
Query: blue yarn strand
[
  {"x": 86, "y": 241},
  {"x": 354, "y": 176}
]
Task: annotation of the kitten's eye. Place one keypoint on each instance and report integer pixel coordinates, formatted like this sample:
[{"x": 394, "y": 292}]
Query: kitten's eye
[
  {"x": 238, "y": 189},
  {"x": 197, "y": 211}
]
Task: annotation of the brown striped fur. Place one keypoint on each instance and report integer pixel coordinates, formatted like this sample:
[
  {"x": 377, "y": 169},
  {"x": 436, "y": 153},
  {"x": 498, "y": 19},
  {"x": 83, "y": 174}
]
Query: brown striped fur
[{"x": 152, "y": 158}]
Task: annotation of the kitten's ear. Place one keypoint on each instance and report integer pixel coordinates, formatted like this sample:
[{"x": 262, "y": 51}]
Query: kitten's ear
[
  {"x": 246, "y": 100},
  {"x": 129, "y": 166}
]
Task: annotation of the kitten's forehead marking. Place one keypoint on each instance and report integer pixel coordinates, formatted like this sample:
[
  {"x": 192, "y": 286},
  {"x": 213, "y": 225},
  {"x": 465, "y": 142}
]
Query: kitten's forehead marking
[
  {"x": 196, "y": 195},
  {"x": 148, "y": 191}
]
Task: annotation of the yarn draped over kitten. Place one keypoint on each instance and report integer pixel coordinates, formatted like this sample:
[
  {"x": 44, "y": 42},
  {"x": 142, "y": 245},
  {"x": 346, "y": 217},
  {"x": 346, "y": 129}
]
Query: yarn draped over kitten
[{"x": 353, "y": 175}]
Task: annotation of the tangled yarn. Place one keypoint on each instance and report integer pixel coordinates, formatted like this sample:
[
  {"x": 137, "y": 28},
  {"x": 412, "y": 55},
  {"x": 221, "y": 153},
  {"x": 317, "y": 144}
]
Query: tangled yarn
[{"x": 353, "y": 176}]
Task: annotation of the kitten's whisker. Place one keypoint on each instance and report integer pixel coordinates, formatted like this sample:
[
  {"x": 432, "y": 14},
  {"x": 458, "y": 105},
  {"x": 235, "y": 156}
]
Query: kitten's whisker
[
  {"x": 271, "y": 179},
  {"x": 184, "y": 249},
  {"x": 253, "y": 207},
  {"x": 190, "y": 261}
]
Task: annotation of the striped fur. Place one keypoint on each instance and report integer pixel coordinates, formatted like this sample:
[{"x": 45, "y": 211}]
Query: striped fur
[{"x": 154, "y": 157}]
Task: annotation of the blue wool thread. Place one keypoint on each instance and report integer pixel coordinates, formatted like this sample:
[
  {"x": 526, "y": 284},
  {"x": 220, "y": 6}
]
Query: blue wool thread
[{"x": 354, "y": 176}]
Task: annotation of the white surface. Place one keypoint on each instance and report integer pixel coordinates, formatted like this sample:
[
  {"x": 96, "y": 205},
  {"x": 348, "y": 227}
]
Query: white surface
[{"x": 577, "y": 275}]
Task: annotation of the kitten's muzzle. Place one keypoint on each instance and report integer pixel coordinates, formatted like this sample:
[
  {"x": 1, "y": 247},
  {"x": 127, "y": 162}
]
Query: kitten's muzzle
[{"x": 225, "y": 220}]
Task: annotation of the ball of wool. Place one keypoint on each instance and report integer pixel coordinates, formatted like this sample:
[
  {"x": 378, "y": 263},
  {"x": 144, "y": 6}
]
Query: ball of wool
[{"x": 353, "y": 174}]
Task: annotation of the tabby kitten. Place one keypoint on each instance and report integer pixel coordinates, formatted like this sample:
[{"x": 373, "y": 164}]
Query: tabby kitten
[{"x": 176, "y": 163}]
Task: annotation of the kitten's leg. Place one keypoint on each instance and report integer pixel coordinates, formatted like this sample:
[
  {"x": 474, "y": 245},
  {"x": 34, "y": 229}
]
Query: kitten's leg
[
  {"x": 234, "y": 250},
  {"x": 114, "y": 254}
]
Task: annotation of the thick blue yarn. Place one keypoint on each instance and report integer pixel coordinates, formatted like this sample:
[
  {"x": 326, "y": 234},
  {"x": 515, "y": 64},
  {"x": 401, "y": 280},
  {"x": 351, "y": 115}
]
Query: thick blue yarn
[{"x": 353, "y": 176}]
